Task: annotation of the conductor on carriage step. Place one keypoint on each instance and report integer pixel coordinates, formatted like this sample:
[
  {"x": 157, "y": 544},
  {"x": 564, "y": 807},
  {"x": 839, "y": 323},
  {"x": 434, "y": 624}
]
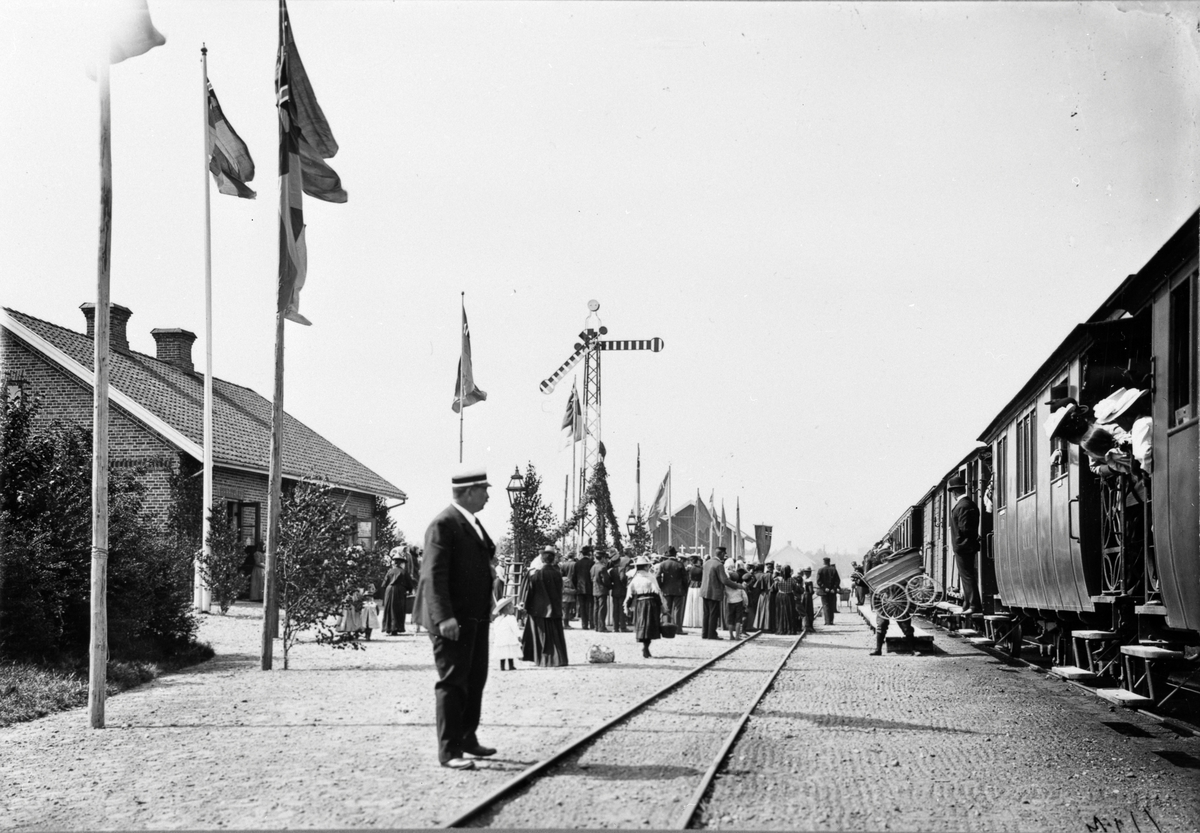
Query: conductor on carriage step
[
  {"x": 964, "y": 523},
  {"x": 456, "y": 585}
]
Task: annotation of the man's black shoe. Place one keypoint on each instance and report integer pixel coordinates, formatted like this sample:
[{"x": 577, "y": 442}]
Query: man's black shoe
[
  {"x": 458, "y": 763},
  {"x": 479, "y": 751},
  {"x": 876, "y": 653}
]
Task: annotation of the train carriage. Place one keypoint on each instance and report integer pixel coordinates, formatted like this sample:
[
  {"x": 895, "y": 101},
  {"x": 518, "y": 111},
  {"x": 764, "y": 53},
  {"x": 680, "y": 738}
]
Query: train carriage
[{"x": 1069, "y": 542}]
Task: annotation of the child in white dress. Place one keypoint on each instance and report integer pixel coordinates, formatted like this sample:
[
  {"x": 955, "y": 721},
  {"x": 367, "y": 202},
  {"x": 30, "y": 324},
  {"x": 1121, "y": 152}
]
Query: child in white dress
[{"x": 506, "y": 634}]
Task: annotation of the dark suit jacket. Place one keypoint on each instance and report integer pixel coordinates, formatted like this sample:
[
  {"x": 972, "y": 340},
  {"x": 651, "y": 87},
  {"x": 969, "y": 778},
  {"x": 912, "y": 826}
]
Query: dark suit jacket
[
  {"x": 672, "y": 578},
  {"x": 456, "y": 576},
  {"x": 964, "y": 518},
  {"x": 713, "y": 585},
  {"x": 543, "y": 597},
  {"x": 828, "y": 580},
  {"x": 582, "y": 574},
  {"x": 619, "y": 583},
  {"x": 601, "y": 579}
]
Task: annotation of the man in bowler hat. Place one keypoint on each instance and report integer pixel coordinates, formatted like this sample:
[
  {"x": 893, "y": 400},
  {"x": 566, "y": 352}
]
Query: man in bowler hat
[
  {"x": 672, "y": 578},
  {"x": 581, "y": 577},
  {"x": 964, "y": 526},
  {"x": 456, "y": 586}
]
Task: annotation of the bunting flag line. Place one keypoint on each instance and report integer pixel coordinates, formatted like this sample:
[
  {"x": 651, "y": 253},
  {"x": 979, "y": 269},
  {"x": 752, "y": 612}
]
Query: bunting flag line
[
  {"x": 228, "y": 157},
  {"x": 305, "y": 141},
  {"x": 465, "y": 381}
]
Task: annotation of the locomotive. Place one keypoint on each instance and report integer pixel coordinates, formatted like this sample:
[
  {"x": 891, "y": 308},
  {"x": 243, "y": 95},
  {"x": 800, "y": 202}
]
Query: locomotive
[{"x": 1093, "y": 564}]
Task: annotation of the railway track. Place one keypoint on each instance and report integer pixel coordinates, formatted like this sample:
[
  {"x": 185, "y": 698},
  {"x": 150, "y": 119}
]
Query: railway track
[{"x": 663, "y": 752}]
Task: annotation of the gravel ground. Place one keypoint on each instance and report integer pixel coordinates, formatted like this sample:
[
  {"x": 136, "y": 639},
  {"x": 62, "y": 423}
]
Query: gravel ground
[
  {"x": 951, "y": 741},
  {"x": 343, "y": 739},
  {"x": 641, "y": 772}
]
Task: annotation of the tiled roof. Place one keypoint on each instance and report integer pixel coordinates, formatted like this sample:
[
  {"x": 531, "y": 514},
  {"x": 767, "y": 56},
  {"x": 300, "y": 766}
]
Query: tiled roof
[{"x": 241, "y": 418}]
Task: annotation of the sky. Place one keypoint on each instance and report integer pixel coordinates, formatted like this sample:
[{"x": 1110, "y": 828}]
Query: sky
[{"x": 858, "y": 228}]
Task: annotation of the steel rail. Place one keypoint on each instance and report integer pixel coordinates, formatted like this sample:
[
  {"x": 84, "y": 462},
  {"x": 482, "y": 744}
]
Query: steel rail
[
  {"x": 528, "y": 773},
  {"x": 693, "y": 803}
]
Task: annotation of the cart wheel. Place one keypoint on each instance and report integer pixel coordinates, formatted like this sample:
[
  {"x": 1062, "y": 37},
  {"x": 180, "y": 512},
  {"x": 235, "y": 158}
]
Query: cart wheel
[
  {"x": 892, "y": 602},
  {"x": 921, "y": 590}
]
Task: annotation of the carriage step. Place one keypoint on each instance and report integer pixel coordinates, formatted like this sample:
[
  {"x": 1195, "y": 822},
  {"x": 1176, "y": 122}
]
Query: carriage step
[
  {"x": 965, "y": 632},
  {"x": 1150, "y": 652},
  {"x": 1122, "y": 697},
  {"x": 919, "y": 635},
  {"x": 997, "y": 617},
  {"x": 1072, "y": 672},
  {"x": 1094, "y": 634},
  {"x": 981, "y": 640}
]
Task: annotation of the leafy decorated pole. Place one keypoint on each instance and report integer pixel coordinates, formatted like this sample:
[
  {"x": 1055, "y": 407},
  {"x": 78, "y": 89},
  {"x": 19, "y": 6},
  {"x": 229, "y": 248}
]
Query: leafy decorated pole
[{"x": 597, "y": 497}]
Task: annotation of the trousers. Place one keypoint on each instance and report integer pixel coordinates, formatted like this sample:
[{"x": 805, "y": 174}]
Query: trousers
[
  {"x": 829, "y": 603},
  {"x": 601, "y": 613},
  {"x": 584, "y": 600},
  {"x": 462, "y": 667},
  {"x": 712, "y": 618},
  {"x": 618, "y": 611},
  {"x": 966, "y": 580},
  {"x": 675, "y": 610}
]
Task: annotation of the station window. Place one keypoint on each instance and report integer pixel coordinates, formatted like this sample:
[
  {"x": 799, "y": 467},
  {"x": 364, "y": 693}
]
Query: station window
[
  {"x": 1182, "y": 383},
  {"x": 244, "y": 517},
  {"x": 1027, "y": 453},
  {"x": 364, "y": 534},
  {"x": 1000, "y": 488}
]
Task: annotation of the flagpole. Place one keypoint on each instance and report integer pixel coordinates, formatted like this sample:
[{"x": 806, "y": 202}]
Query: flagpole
[
  {"x": 669, "y": 516},
  {"x": 98, "y": 648},
  {"x": 462, "y": 384},
  {"x": 275, "y": 465},
  {"x": 639, "y": 482},
  {"x": 202, "y": 597},
  {"x": 740, "y": 549}
]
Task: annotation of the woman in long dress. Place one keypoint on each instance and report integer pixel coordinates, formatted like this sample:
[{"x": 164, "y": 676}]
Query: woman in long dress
[
  {"x": 804, "y": 600},
  {"x": 764, "y": 616},
  {"x": 751, "y": 586},
  {"x": 644, "y": 602},
  {"x": 396, "y": 585},
  {"x": 785, "y": 604},
  {"x": 543, "y": 603},
  {"x": 693, "y": 608}
]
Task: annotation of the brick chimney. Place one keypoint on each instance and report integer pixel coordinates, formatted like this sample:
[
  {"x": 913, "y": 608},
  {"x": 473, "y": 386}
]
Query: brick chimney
[
  {"x": 175, "y": 347},
  {"x": 118, "y": 318}
]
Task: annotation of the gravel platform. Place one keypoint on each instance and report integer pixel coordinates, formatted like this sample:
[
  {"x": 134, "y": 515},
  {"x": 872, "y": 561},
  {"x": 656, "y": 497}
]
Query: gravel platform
[
  {"x": 641, "y": 772},
  {"x": 955, "y": 740},
  {"x": 345, "y": 739}
]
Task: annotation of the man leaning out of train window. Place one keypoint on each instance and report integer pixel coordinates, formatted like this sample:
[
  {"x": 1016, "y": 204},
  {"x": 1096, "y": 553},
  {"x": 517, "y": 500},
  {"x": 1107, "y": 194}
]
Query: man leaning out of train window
[{"x": 1100, "y": 433}]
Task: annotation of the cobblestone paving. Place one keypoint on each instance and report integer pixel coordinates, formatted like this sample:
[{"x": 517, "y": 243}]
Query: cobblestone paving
[
  {"x": 642, "y": 771},
  {"x": 955, "y": 740},
  {"x": 345, "y": 739}
]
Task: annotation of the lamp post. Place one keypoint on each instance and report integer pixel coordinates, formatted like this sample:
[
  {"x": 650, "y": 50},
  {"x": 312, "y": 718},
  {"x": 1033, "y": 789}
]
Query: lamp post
[
  {"x": 515, "y": 488},
  {"x": 631, "y": 524}
]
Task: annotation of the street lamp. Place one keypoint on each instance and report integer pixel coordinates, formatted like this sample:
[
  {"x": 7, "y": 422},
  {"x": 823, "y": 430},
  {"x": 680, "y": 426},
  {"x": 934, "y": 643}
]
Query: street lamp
[
  {"x": 515, "y": 487},
  {"x": 631, "y": 523}
]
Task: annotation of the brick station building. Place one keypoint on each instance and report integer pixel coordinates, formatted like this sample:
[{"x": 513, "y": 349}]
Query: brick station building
[{"x": 156, "y": 421}]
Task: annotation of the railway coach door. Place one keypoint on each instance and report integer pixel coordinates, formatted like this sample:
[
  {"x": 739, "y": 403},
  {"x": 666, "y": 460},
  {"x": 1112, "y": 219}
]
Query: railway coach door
[{"x": 1174, "y": 443}]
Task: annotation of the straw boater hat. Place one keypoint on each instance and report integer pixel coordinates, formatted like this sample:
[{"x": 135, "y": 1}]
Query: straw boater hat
[
  {"x": 1056, "y": 418},
  {"x": 470, "y": 477},
  {"x": 1116, "y": 403}
]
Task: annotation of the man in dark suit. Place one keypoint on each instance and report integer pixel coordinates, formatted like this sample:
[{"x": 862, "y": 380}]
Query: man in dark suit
[
  {"x": 964, "y": 533},
  {"x": 601, "y": 587},
  {"x": 456, "y": 588},
  {"x": 712, "y": 591},
  {"x": 828, "y": 584},
  {"x": 616, "y": 592},
  {"x": 569, "y": 596},
  {"x": 581, "y": 575},
  {"x": 672, "y": 578}
]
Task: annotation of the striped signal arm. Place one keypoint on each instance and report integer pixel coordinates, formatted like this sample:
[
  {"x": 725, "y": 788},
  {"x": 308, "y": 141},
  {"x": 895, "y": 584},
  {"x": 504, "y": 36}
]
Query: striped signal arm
[
  {"x": 548, "y": 385},
  {"x": 652, "y": 344}
]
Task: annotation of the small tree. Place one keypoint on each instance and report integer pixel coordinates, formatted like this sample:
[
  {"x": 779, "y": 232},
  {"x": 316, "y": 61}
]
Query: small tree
[
  {"x": 318, "y": 571},
  {"x": 221, "y": 568},
  {"x": 640, "y": 541},
  {"x": 532, "y": 520}
]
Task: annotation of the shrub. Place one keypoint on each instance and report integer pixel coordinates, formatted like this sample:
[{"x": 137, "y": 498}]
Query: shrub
[{"x": 221, "y": 567}]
